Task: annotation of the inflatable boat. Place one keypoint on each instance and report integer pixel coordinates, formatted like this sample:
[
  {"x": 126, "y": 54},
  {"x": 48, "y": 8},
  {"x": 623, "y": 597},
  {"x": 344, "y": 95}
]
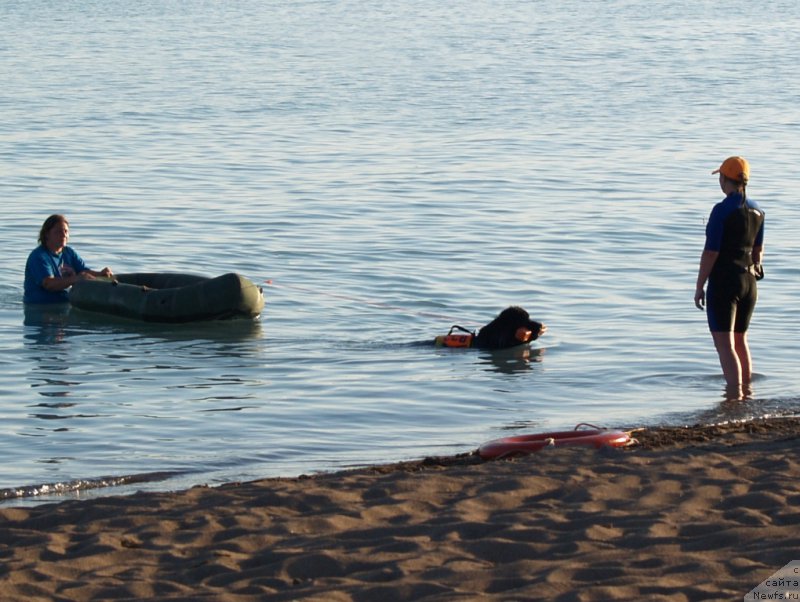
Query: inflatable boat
[{"x": 164, "y": 297}]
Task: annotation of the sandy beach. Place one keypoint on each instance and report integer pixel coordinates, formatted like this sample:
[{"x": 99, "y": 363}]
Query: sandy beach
[{"x": 696, "y": 513}]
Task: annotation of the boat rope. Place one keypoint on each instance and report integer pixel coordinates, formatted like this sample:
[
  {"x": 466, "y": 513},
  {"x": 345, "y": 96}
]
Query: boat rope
[{"x": 362, "y": 300}]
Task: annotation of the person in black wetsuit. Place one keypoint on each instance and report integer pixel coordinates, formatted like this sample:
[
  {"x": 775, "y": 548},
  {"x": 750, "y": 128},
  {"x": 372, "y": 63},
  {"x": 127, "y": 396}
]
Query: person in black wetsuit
[{"x": 731, "y": 263}]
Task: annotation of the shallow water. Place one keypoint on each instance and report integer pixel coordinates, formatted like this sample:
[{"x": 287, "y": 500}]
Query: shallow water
[{"x": 392, "y": 169}]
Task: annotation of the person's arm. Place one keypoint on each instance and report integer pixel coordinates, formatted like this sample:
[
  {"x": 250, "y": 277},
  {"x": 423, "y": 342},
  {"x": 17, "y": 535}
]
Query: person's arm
[
  {"x": 59, "y": 283},
  {"x": 104, "y": 273},
  {"x": 758, "y": 254},
  {"x": 707, "y": 261},
  {"x": 74, "y": 264},
  {"x": 69, "y": 277}
]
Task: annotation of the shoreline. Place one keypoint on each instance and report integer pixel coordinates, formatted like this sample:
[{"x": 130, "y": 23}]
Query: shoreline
[{"x": 689, "y": 513}]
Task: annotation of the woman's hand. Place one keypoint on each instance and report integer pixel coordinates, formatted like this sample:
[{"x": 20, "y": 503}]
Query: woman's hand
[{"x": 699, "y": 298}]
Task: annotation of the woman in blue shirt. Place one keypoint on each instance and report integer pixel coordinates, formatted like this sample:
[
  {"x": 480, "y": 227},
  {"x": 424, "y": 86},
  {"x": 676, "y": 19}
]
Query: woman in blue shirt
[
  {"x": 53, "y": 267},
  {"x": 731, "y": 263}
]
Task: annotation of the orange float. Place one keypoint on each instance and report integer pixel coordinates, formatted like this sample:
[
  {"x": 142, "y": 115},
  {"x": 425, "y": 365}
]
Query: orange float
[
  {"x": 526, "y": 444},
  {"x": 455, "y": 340}
]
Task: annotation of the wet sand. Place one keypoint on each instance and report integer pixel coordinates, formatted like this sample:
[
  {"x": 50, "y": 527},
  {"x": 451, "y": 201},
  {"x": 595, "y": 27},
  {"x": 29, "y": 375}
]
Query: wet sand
[{"x": 697, "y": 513}]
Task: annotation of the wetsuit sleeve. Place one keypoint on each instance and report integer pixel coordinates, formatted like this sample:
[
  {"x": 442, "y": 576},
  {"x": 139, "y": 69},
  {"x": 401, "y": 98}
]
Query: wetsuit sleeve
[
  {"x": 759, "y": 242},
  {"x": 714, "y": 229}
]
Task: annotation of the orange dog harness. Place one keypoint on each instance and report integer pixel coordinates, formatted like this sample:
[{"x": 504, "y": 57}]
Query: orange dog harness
[{"x": 455, "y": 340}]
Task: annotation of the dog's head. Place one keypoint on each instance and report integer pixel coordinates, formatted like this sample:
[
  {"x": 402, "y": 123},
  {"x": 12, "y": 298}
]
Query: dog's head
[{"x": 513, "y": 326}]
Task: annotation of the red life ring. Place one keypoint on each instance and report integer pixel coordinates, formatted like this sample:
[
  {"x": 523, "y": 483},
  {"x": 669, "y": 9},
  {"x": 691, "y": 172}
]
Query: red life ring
[{"x": 526, "y": 444}]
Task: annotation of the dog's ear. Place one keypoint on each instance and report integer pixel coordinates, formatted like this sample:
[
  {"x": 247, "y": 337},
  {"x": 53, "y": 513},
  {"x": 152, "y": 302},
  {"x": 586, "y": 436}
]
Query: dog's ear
[{"x": 514, "y": 311}]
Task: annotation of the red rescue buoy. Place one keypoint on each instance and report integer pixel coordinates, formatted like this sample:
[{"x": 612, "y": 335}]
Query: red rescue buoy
[
  {"x": 526, "y": 444},
  {"x": 455, "y": 340}
]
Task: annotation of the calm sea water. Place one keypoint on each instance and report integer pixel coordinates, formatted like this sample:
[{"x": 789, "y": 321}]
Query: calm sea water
[{"x": 393, "y": 168}]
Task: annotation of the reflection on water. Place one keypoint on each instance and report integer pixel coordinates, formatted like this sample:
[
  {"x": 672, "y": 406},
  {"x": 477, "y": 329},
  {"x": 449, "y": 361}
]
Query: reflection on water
[
  {"x": 68, "y": 351},
  {"x": 514, "y": 360},
  {"x": 45, "y": 324},
  {"x": 49, "y": 324}
]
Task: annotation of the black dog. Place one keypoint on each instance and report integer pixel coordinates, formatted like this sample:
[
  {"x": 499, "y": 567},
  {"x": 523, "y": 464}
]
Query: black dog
[{"x": 513, "y": 326}]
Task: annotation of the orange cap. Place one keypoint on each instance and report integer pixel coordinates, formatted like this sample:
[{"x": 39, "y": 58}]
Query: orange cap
[{"x": 735, "y": 168}]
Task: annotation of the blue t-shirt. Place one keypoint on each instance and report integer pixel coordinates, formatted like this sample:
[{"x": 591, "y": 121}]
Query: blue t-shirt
[{"x": 42, "y": 264}]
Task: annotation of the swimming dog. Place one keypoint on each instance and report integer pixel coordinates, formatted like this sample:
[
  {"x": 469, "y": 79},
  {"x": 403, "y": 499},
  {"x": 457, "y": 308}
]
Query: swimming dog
[{"x": 512, "y": 326}]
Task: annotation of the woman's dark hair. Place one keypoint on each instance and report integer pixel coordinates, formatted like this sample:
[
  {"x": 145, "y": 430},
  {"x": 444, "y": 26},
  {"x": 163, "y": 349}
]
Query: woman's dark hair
[{"x": 48, "y": 224}]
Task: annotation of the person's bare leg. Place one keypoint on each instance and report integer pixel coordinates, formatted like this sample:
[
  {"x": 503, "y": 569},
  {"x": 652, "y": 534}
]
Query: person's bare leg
[
  {"x": 728, "y": 358},
  {"x": 742, "y": 350}
]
